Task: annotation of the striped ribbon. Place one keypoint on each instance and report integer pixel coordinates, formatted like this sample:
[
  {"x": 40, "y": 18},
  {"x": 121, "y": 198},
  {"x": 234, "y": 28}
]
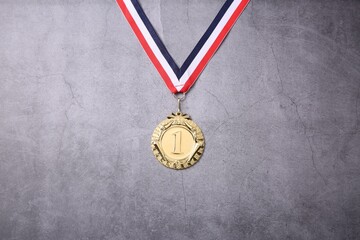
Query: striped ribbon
[{"x": 179, "y": 80}]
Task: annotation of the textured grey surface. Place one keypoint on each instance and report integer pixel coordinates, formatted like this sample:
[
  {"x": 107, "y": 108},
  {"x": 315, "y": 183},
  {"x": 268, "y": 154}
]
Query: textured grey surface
[{"x": 278, "y": 104}]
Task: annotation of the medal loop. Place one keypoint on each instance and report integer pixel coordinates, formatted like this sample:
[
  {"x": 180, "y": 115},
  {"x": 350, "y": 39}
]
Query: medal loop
[
  {"x": 181, "y": 97},
  {"x": 179, "y": 100},
  {"x": 179, "y": 107}
]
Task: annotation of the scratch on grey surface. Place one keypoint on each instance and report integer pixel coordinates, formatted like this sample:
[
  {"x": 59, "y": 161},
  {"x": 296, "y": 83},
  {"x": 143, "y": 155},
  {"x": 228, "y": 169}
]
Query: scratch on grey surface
[
  {"x": 220, "y": 102},
  {"x": 187, "y": 11},
  {"x": 74, "y": 101},
  {"x": 61, "y": 140},
  {"x": 35, "y": 167},
  {"x": 61, "y": 143},
  {"x": 271, "y": 48},
  {"x": 72, "y": 92},
  {"x": 357, "y": 108},
  {"x": 217, "y": 128},
  {"x": 297, "y": 20},
  {"x": 26, "y": 74},
  {"x": 106, "y": 29},
  {"x": 307, "y": 139},
  {"x": 98, "y": 130},
  {"x": 160, "y": 21},
  {"x": 353, "y": 132},
  {"x": 106, "y": 26},
  {"x": 183, "y": 189},
  {"x": 277, "y": 69},
  {"x": 252, "y": 170}
]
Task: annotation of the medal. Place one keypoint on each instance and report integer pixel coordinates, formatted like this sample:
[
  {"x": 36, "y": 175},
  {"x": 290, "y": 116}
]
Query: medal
[{"x": 177, "y": 142}]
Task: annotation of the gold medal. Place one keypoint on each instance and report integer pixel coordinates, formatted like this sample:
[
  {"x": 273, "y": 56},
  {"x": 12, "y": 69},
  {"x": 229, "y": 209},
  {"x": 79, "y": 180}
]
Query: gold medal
[{"x": 177, "y": 142}]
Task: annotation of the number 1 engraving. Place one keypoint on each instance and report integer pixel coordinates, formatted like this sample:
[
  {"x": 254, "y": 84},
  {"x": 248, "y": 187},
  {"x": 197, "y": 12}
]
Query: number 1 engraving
[{"x": 177, "y": 142}]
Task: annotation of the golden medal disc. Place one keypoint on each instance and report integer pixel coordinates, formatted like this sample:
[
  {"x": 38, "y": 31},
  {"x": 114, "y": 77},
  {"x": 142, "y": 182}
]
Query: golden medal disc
[{"x": 177, "y": 142}]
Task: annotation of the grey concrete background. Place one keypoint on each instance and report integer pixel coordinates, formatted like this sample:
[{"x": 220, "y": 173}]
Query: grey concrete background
[{"x": 278, "y": 104}]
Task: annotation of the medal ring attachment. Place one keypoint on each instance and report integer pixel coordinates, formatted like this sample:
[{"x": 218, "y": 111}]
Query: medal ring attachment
[
  {"x": 179, "y": 99},
  {"x": 179, "y": 96}
]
